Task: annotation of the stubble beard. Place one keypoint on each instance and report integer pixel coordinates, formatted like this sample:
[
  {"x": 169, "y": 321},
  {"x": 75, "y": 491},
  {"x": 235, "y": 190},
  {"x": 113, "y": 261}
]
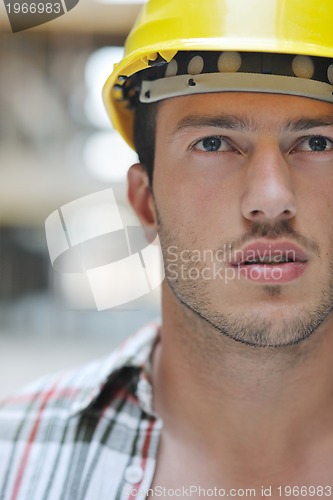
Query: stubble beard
[{"x": 253, "y": 329}]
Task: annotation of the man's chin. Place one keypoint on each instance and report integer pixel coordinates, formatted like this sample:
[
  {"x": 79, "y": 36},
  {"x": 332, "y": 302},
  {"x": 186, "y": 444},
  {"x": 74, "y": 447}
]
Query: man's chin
[
  {"x": 262, "y": 331},
  {"x": 264, "y": 327}
]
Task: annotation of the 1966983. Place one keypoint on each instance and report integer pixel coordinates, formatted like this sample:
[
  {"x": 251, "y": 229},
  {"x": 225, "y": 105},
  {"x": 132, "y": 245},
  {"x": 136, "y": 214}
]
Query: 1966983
[{"x": 34, "y": 8}]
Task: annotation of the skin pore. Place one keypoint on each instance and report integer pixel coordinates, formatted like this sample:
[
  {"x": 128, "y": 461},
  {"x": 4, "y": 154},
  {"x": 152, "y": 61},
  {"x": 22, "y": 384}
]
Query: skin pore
[{"x": 243, "y": 374}]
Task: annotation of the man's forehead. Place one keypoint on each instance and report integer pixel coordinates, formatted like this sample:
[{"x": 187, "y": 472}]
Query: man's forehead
[{"x": 244, "y": 112}]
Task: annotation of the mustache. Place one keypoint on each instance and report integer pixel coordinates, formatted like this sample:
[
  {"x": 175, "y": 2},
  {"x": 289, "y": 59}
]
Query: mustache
[{"x": 282, "y": 229}]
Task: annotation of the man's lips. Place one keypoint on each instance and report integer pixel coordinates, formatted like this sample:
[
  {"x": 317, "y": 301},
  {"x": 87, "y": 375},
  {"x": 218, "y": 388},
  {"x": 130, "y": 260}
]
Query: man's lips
[
  {"x": 265, "y": 252},
  {"x": 270, "y": 262}
]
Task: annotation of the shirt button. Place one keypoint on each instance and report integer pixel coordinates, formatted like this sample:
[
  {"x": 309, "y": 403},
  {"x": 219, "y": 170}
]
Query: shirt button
[{"x": 133, "y": 474}]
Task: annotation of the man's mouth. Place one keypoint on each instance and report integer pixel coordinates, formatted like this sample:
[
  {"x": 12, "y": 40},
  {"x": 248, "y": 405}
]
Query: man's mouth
[
  {"x": 274, "y": 259},
  {"x": 270, "y": 262}
]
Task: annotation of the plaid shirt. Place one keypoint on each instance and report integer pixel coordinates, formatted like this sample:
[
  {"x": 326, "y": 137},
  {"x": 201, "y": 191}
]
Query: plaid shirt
[{"x": 88, "y": 434}]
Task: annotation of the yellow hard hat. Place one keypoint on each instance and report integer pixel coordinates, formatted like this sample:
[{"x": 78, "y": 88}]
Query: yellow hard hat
[{"x": 230, "y": 28}]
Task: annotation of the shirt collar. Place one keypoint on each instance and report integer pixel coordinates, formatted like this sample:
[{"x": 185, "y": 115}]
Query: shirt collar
[{"x": 134, "y": 352}]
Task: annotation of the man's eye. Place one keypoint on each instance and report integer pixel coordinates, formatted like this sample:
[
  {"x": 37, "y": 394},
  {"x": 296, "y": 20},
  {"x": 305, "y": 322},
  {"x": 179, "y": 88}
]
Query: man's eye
[
  {"x": 212, "y": 144},
  {"x": 316, "y": 143}
]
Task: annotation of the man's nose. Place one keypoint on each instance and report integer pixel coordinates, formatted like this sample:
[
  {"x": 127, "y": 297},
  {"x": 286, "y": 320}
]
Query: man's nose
[{"x": 268, "y": 194}]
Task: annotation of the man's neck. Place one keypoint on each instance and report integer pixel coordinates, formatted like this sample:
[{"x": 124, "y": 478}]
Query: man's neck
[{"x": 274, "y": 404}]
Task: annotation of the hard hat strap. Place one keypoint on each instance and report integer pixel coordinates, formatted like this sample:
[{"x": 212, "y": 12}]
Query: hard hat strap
[
  {"x": 195, "y": 72},
  {"x": 182, "y": 85}
]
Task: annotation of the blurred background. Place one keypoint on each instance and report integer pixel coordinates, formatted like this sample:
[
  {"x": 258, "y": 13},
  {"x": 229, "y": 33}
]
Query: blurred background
[{"x": 57, "y": 145}]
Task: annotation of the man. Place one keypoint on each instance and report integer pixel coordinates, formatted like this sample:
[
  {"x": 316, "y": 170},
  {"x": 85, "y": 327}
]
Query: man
[{"x": 232, "y": 395}]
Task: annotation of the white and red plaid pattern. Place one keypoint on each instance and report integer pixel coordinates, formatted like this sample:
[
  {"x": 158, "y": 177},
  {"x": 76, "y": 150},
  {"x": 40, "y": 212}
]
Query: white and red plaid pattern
[{"x": 73, "y": 435}]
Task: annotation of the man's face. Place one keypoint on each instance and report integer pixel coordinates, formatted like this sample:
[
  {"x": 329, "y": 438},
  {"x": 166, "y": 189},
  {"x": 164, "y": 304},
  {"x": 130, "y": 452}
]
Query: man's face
[{"x": 243, "y": 187}]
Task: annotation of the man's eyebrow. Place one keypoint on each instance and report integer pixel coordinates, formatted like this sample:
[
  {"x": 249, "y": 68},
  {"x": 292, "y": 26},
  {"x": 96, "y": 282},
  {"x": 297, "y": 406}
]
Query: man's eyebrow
[
  {"x": 223, "y": 121},
  {"x": 244, "y": 124},
  {"x": 308, "y": 123}
]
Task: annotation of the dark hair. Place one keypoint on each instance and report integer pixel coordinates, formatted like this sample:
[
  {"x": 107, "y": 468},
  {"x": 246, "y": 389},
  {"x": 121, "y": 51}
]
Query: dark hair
[{"x": 144, "y": 135}]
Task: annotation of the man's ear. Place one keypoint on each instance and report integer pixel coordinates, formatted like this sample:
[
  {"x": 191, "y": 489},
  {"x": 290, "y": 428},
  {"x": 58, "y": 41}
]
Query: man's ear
[{"x": 140, "y": 196}]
